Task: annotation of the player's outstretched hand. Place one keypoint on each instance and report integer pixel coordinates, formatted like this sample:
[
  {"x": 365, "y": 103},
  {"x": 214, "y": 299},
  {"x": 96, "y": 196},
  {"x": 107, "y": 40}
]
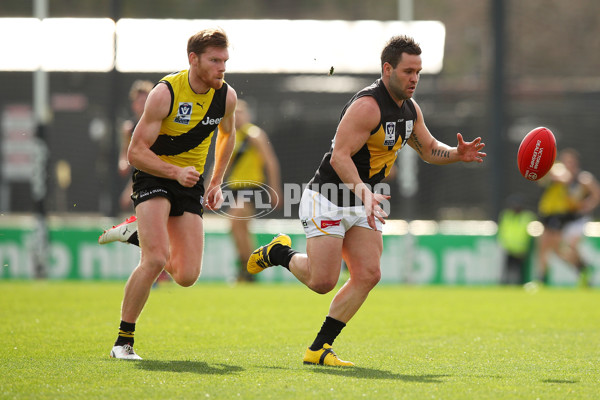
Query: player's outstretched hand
[{"x": 470, "y": 151}]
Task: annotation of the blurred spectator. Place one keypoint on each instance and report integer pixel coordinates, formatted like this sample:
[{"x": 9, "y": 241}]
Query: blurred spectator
[
  {"x": 252, "y": 157},
  {"x": 565, "y": 207},
  {"x": 137, "y": 96},
  {"x": 514, "y": 239}
]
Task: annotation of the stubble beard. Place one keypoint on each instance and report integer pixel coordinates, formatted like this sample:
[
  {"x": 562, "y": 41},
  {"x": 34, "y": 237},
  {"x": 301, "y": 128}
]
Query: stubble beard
[
  {"x": 397, "y": 92},
  {"x": 205, "y": 78},
  {"x": 214, "y": 83}
]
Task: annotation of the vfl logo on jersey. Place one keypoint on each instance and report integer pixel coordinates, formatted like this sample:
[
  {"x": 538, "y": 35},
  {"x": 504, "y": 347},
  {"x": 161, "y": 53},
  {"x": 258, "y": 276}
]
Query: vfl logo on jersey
[
  {"x": 390, "y": 134},
  {"x": 184, "y": 113}
]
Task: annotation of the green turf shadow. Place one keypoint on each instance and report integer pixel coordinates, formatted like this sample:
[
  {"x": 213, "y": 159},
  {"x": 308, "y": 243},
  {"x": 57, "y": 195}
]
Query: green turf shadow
[
  {"x": 197, "y": 367},
  {"x": 372, "y": 373},
  {"x": 559, "y": 381}
]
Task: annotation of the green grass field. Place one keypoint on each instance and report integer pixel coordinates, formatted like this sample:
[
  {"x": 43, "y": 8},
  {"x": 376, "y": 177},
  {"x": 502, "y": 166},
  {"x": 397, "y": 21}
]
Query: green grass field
[{"x": 218, "y": 342}]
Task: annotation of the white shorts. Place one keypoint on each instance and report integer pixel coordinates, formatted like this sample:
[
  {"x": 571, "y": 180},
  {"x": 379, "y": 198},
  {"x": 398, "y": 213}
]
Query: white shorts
[
  {"x": 321, "y": 217},
  {"x": 575, "y": 229}
]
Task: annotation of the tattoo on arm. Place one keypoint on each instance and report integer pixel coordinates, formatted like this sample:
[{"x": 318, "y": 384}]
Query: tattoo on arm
[
  {"x": 440, "y": 153},
  {"x": 418, "y": 145}
]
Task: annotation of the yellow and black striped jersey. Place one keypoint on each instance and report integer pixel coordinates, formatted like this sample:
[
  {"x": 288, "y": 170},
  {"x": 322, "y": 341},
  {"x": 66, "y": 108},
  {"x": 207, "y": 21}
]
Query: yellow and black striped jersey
[
  {"x": 561, "y": 198},
  {"x": 246, "y": 167},
  {"x": 186, "y": 133},
  {"x": 375, "y": 159}
]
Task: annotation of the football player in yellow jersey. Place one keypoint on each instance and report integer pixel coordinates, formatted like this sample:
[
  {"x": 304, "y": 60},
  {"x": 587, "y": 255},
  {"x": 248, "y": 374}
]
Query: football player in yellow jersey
[
  {"x": 252, "y": 157},
  {"x": 374, "y": 125},
  {"x": 565, "y": 207},
  {"x": 168, "y": 150}
]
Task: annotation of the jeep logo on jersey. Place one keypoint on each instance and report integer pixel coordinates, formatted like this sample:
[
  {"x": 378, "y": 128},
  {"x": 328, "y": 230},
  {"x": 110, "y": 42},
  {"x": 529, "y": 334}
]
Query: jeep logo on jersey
[
  {"x": 390, "y": 134},
  {"x": 184, "y": 113},
  {"x": 212, "y": 121},
  {"x": 259, "y": 196}
]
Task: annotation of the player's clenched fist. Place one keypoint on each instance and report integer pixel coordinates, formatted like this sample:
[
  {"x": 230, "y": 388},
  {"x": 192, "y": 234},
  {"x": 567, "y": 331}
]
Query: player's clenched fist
[{"x": 188, "y": 176}]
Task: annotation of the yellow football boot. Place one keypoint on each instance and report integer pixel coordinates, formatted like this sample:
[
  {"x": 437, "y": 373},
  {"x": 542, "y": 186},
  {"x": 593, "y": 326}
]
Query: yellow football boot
[
  {"x": 259, "y": 259},
  {"x": 325, "y": 356}
]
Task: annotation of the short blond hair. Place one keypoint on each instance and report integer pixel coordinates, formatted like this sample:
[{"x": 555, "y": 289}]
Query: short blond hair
[{"x": 140, "y": 86}]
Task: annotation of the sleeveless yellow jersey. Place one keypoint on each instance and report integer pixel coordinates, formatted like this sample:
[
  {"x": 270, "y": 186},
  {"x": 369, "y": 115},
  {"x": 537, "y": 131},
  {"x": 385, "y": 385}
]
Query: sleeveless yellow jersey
[
  {"x": 557, "y": 200},
  {"x": 246, "y": 163},
  {"x": 186, "y": 133}
]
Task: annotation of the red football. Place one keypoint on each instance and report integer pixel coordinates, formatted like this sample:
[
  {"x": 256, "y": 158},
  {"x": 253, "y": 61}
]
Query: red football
[{"x": 536, "y": 153}]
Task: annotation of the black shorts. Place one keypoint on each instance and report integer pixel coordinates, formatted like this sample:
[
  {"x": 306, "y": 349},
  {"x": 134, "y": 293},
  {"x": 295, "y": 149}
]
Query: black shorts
[
  {"x": 182, "y": 199},
  {"x": 557, "y": 221}
]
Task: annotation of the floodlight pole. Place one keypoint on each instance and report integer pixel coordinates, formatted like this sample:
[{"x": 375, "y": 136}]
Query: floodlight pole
[
  {"x": 498, "y": 107},
  {"x": 406, "y": 10},
  {"x": 39, "y": 179},
  {"x": 407, "y": 175},
  {"x": 407, "y": 160},
  {"x": 110, "y": 203}
]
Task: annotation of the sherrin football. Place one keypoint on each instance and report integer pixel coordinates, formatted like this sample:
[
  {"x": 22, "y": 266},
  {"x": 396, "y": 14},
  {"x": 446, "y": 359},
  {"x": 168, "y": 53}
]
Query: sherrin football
[{"x": 536, "y": 153}]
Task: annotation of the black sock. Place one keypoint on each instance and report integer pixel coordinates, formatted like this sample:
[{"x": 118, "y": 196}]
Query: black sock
[
  {"x": 281, "y": 255},
  {"x": 126, "y": 331},
  {"x": 133, "y": 239},
  {"x": 329, "y": 331}
]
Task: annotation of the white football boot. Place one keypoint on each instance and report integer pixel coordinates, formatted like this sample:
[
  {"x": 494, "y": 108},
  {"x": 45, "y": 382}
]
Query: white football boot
[
  {"x": 121, "y": 232},
  {"x": 124, "y": 352}
]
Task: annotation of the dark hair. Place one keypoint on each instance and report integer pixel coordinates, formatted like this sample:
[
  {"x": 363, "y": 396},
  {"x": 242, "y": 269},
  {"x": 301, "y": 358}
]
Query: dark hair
[
  {"x": 392, "y": 52},
  {"x": 207, "y": 38}
]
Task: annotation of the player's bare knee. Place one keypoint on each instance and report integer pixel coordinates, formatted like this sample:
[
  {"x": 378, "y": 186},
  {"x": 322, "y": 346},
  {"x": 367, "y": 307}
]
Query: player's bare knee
[
  {"x": 323, "y": 286},
  {"x": 374, "y": 278},
  {"x": 370, "y": 278},
  {"x": 157, "y": 258},
  {"x": 186, "y": 278},
  {"x": 153, "y": 263},
  {"x": 185, "y": 281}
]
